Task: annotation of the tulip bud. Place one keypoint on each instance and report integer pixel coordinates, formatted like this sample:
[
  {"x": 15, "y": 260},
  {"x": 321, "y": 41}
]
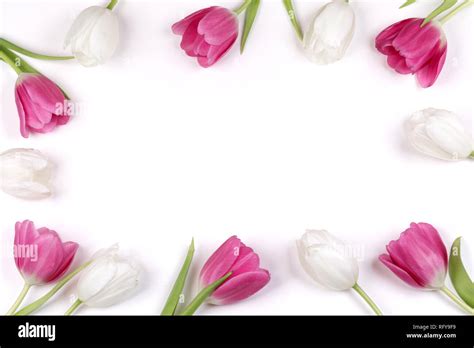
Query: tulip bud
[
  {"x": 246, "y": 279},
  {"x": 110, "y": 279},
  {"x": 40, "y": 256},
  {"x": 25, "y": 173},
  {"x": 418, "y": 257},
  {"x": 325, "y": 259},
  {"x": 330, "y": 33},
  {"x": 440, "y": 134},
  {"x": 94, "y": 36},
  {"x": 42, "y": 106},
  {"x": 208, "y": 34}
]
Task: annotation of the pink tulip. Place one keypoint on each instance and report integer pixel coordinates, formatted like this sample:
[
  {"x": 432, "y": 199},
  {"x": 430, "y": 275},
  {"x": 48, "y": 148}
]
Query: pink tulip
[
  {"x": 41, "y": 104},
  {"x": 247, "y": 277},
  {"x": 40, "y": 256},
  {"x": 419, "y": 257},
  {"x": 414, "y": 49},
  {"x": 208, "y": 34}
]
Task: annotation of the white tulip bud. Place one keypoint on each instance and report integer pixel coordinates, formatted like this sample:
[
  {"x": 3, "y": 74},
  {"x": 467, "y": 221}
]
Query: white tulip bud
[
  {"x": 94, "y": 36},
  {"x": 326, "y": 260},
  {"x": 25, "y": 173},
  {"x": 330, "y": 33},
  {"x": 439, "y": 134},
  {"x": 109, "y": 279}
]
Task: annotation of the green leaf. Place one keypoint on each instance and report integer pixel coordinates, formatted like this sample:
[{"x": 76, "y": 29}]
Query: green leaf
[
  {"x": 446, "y": 5},
  {"x": 174, "y": 296},
  {"x": 250, "y": 15},
  {"x": 408, "y": 3},
  {"x": 203, "y": 295},
  {"x": 459, "y": 276},
  {"x": 290, "y": 10}
]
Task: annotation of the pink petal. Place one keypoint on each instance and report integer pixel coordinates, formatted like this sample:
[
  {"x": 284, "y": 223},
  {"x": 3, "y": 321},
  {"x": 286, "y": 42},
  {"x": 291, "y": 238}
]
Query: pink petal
[
  {"x": 248, "y": 261},
  {"x": 428, "y": 75},
  {"x": 218, "y": 26},
  {"x": 190, "y": 37},
  {"x": 400, "y": 273},
  {"x": 69, "y": 251},
  {"x": 21, "y": 113},
  {"x": 241, "y": 287},
  {"x": 25, "y": 235},
  {"x": 220, "y": 263},
  {"x": 398, "y": 63},
  {"x": 415, "y": 41},
  {"x": 41, "y": 91},
  {"x": 180, "y": 27},
  {"x": 383, "y": 42},
  {"x": 216, "y": 53}
]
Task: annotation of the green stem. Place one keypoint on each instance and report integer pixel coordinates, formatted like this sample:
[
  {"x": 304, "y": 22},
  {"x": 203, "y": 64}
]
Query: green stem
[
  {"x": 42, "y": 300},
  {"x": 456, "y": 10},
  {"x": 5, "y": 57},
  {"x": 29, "y": 53},
  {"x": 367, "y": 299},
  {"x": 112, "y": 4},
  {"x": 73, "y": 307},
  {"x": 173, "y": 298},
  {"x": 294, "y": 21},
  {"x": 446, "y": 5},
  {"x": 243, "y": 7},
  {"x": 203, "y": 295},
  {"x": 20, "y": 299},
  {"x": 457, "y": 300}
]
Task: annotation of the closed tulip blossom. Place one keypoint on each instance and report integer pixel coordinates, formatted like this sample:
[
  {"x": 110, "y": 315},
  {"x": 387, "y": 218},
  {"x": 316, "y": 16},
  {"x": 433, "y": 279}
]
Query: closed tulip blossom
[
  {"x": 440, "y": 134},
  {"x": 208, "y": 34},
  {"x": 330, "y": 263},
  {"x": 420, "y": 259},
  {"x": 94, "y": 35},
  {"x": 42, "y": 106},
  {"x": 413, "y": 48},
  {"x": 246, "y": 279},
  {"x": 331, "y": 32},
  {"x": 40, "y": 256},
  {"x": 25, "y": 173},
  {"x": 110, "y": 278}
]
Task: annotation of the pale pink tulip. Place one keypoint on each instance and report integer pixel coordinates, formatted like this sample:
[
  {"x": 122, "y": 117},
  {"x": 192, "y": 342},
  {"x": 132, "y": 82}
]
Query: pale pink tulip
[
  {"x": 414, "y": 49},
  {"x": 419, "y": 257},
  {"x": 208, "y": 34},
  {"x": 40, "y": 256},
  {"x": 247, "y": 277},
  {"x": 42, "y": 106}
]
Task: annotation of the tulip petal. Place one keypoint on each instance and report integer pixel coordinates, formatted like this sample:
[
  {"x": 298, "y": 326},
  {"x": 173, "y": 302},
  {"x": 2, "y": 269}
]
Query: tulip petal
[
  {"x": 220, "y": 263},
  {"x": 399, "y": 272},
  {"x": 383, "y": 41},
  {"x": 181, "y": 27},
  {"x": 218, "y": 26},
  {"x": 428, "y": 75},
  {"x": 399, "y": 64},
  {"x": 241, "y": 287}
]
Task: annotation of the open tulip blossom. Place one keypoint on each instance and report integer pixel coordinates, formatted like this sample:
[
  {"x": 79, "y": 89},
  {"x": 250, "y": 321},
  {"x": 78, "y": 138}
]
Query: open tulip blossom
[
  {"x": 40, "y": 256},
  {"x": 25, "y": 173},
  {"x": 420, "y": 259},
  {"x": 328, "y": 261},
  {"x": 94, "y": 35},
  {"x": 440, "y": 134},
  {"x": 210, "y": 33}
]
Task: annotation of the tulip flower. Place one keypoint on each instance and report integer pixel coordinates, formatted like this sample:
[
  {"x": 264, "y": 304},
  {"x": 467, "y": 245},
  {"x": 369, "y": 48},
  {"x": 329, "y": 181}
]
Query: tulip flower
[
  {"x": 440, "y": 134},
  {"x": 234, "y": 274},
  {"x": 109, "y": 279},
  {"x": 414, "y": 49},
  {"x": 210, "y": 33},
  {"x": 328, "y": 262},
  {"x": 331, "y": 32},
  {"x": 42, "y": 105},
  {"x": 94, "y": 35},
  {"x": 420, "y": 259},
  {"x": 40, "y": 256},
  {"x": 25, "y": 173}
]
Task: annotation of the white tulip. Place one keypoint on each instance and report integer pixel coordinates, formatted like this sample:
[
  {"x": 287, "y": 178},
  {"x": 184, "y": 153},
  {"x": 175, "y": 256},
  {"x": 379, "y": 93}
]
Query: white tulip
[
  {"x": 440, "y": 134},
  {"x": 330, "y": 33},
  {"x": 326, "y": 260},
  {"x": 25, "y": 173},
  {"x": 109, "y": 279},
  {"x": 94, "y": 36}
]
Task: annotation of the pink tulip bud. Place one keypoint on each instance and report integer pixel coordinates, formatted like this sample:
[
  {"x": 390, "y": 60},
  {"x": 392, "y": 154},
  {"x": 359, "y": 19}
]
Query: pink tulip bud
[
  {"x": 40, "y": 256},
  {"x": 419, "y": 257},
  {"x": 42, "y": 106},
  {"x": 414, "y": 49},
  {"x": 247, "y": 277},
  {"x": 208, "y": 34}
]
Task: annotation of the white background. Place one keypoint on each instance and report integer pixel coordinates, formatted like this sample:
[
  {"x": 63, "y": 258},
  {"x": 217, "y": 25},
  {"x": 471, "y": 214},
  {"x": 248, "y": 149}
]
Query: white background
[{"x": 263, "y": 145}]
